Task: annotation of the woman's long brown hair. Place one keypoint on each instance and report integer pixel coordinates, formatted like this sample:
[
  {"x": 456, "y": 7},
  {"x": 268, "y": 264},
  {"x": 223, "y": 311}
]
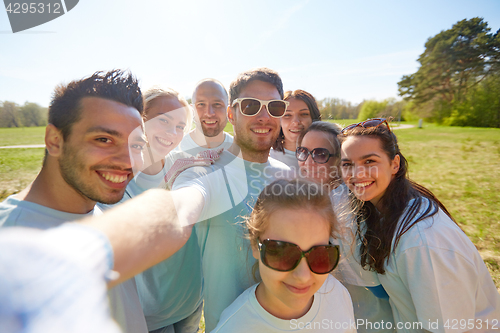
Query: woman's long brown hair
[
  {"x": 397, "y": 215},
  {"x": 311, "y": 105}
]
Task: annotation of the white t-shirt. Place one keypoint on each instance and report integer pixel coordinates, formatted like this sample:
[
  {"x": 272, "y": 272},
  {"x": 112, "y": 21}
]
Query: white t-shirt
[
  {"x": 230, "y": 188},
  {"x": 289, "y": 157},
  {"x": 368, "y": 308},
  {"x": 331, "y": 311},
  {"x": 349, "y": 266},
  {"x": 15, "y": 212},
  {"x": 188, "y": 145},
  {"x": 188, "y": 148},
  {"x": 437, "y": 277}
]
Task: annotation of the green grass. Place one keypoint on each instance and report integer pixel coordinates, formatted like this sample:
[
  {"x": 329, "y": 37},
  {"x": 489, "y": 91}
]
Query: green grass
[
  {"x": 22, "y": 136},
  {"x": 18, "y": 168},
  {"x": 461, "y": 166}
]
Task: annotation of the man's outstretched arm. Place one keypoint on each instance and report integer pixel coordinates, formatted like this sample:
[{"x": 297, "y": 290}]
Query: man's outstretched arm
[{"x": 148, "y": 228}]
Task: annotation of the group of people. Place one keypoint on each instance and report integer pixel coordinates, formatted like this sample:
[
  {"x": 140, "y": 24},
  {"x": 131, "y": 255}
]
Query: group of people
[{"x": 293, "y": 224}]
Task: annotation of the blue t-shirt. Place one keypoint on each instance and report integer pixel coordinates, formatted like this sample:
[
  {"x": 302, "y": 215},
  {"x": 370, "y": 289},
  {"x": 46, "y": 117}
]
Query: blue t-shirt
[
  {"x": 173, "y": 289},
  {"x": 55, "y": 280},
  {"x": 21, "y": 213},
  {"x": 230, "y": 188},
  {"x": 125, "y": 305}
]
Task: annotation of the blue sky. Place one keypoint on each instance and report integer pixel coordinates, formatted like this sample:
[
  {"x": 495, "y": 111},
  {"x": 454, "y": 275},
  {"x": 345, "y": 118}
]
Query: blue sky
[{"x": 354, "y": 50}]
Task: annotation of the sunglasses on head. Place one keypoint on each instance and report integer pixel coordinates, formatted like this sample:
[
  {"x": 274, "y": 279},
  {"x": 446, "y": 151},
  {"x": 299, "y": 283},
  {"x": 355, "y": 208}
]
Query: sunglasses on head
[
  {"x": 284, "y": 256},
  {"x": 319, "y": 155},
  {"x": 251, "y": 106},
  {"x": 375, "y": 122}
]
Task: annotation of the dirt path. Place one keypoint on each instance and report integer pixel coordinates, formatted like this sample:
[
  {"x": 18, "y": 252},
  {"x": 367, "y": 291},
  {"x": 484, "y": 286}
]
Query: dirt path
[
  {"x": 402, "y": 126},
  {"x": 23, "y": 146}
]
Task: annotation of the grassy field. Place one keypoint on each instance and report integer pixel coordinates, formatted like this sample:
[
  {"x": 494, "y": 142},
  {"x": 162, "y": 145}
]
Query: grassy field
[
  {"x": 22, "y": 136},
  {"x": 18, "y": 167},
  {"x": 461, "y": 165}
]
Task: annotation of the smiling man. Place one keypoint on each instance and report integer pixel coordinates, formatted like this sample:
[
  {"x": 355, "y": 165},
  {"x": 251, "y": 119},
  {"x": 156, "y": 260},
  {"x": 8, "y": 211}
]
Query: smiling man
[
  {"x": 93, "y": 139},
  {"x": 210, "y": 103},
  {"x": 220, "y": 195}
]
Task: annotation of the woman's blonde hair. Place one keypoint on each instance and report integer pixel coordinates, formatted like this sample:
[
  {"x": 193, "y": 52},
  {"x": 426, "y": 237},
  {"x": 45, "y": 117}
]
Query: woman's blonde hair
[
  {"x": 156, "y": 92},
  {"x": 289, "y": 194}
]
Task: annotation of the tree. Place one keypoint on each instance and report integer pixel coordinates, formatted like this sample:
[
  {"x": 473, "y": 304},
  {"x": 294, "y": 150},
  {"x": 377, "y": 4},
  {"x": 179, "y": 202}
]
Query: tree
[
  {"x": 394, "y": 109},
  {"x": 9, "y": 115},
  {"x": 481, "y": 107},
  {"x": 33, "y": 114},
  {"x": 335, "y": 108},
  {"x": 30, "y": 114},
  {"x": 372, "y": 109},
  {"x": 454, "y": 61}
]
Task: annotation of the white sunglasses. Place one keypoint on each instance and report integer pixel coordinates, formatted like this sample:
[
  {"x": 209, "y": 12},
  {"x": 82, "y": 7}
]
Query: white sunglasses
[{"x": 252, "y": 106}]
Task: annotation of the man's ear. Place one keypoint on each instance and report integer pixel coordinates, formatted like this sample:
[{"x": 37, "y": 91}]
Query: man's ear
[
  {"x": 231, "y": 115},
  {"x": 53, "y": 140}
]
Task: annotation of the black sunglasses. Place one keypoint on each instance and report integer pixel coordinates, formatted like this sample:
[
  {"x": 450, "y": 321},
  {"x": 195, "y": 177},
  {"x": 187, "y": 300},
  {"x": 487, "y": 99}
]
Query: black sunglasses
[
  {"x": 375, "y": 122},
  {"x": 319, "y": 155},
  {"x": 284, "y": 256}
]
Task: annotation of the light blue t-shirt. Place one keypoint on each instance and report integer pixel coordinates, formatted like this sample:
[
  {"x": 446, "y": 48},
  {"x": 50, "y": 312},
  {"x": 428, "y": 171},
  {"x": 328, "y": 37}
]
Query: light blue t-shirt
[
  {"x": 230, "y": 188},
  {"x": 173, "y": 289},
  {"x": 55, "y": 280},
  {"x": 125, "y": 305},
  {"x": 21, "y": 213}
]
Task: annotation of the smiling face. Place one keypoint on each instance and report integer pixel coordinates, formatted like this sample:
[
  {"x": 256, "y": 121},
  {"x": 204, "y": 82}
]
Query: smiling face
[
  {"x": 366, "y": 167},
  {"x": 255, "y": 134},
  {"x": 210, "y": 102},
  {"x": 324, "y": 173},
  {"x": 165, "y": 126},
  {"x": 97, "y": 157},
  {"x": 296, "y": 119},
  {"x": 289, "y": 295}
]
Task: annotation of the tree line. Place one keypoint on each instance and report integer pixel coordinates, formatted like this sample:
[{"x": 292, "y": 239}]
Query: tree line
[{"x": 29, "y": 114}]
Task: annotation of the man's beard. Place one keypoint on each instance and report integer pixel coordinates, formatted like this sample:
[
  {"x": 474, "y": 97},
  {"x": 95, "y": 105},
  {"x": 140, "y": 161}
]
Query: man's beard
[{"x": 72, "y": 170}]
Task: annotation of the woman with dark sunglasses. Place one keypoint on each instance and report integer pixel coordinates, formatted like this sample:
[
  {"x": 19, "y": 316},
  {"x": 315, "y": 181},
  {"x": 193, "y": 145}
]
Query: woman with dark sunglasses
[
  {"x": 289, "y": 230},
  {"x": 432, "y": 273},
  {"x": 301, "y": 112},
  {"x": 318, "y": 153}
]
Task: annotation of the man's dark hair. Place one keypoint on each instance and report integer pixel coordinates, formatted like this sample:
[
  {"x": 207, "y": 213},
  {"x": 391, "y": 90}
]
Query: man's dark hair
[
  {"x": 261, "y": 74},
  {"x": 116, "y": 85}
]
